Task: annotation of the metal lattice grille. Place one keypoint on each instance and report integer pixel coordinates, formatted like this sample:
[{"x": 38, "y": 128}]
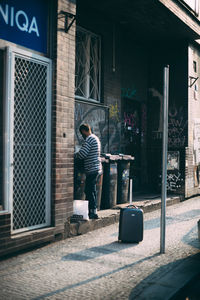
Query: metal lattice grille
[
  {"x": 87, "y": 65},
  {"x": 29, "y": 143}
]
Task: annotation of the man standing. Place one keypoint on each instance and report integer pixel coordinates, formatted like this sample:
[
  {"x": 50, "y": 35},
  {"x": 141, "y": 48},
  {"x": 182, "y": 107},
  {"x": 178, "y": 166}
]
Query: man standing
[{"x": 90, "y": 153}]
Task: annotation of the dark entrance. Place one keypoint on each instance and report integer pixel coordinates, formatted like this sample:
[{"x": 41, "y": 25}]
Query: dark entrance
[{"x": 131, "y": 136}]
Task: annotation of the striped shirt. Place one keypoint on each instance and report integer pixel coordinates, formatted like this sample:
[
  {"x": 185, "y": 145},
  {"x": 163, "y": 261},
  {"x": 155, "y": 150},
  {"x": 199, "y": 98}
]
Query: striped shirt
[{"x": 90, "y": 152}]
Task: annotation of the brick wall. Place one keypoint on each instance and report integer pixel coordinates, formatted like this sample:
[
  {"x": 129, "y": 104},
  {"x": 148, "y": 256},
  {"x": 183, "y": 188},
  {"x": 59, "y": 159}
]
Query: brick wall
[
  {"x": 10, "y": 244},
  {"x": 192, "y": 161},
  {"x": 63, "y": 57},
  {"x": 112, "y": 83},
  {"x": 5, "y": 228},
  {"x": 189, "y": 173},
  {"x": 63, "y": 120}
]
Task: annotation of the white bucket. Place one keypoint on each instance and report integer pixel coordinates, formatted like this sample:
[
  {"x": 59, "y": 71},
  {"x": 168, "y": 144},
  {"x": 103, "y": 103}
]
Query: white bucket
[{"x": 80, "y": 207}]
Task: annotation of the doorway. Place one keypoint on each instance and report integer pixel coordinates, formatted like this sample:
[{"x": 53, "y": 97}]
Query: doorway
[
  {"x": 131, "y": 136},
  {"x": 27, "y": 148}
]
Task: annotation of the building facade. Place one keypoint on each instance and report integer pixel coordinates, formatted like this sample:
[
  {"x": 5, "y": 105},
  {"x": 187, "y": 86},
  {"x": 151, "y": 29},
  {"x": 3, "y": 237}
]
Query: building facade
[{"x": 66, "y": 62}]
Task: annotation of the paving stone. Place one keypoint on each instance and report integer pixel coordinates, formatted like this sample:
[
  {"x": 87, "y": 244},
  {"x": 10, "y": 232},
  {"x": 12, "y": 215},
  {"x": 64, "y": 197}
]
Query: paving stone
[{"x": 96, "y": 266}]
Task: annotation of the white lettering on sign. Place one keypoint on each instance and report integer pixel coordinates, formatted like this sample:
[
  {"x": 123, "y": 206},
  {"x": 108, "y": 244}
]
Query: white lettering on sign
[
  {"x": 4, "y": 14},
  {"x": 33, "y": 26},
  {"x": 24, "y": 25},
  {"x": 20, "y": 19}
]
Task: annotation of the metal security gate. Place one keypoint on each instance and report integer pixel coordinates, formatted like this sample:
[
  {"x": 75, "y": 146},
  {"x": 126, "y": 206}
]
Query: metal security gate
[{"x": 27, "y": 150}]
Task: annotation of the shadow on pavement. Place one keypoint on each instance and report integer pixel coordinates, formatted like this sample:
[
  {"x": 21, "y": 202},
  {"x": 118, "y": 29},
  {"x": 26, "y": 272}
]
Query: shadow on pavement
[
  {"x": 167, "y": 280},
  {"x": 190, "y": 292},
  {"x": 92, "y": 279},
  {"x": 95, "y": 252}
]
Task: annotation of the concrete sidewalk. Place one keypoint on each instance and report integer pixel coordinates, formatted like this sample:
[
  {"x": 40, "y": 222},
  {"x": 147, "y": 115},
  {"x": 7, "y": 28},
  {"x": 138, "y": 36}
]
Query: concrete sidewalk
[
  {"x": 96, "y": 266},
  {"x": 147, "y": 202}
]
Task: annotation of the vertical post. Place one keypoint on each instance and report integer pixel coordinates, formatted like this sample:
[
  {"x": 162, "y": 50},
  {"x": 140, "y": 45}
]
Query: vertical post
[
  {"x": 113, "y": 53},
  {"x": 164, "y": 158}
]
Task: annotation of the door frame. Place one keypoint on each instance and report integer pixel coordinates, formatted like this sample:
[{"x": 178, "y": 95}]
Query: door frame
[{"x": 11, "y": 53}]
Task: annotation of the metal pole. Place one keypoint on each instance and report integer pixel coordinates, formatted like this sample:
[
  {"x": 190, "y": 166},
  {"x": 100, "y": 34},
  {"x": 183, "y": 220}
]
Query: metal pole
[{"x": 164, "y": 158}]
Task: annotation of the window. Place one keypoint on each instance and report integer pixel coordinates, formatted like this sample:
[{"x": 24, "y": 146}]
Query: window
[
  {"x": 88, "y": 48},
  {"x": 193, "y": 4}
]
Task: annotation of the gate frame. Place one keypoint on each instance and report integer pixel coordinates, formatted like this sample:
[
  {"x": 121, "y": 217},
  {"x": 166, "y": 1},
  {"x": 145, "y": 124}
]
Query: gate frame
[{"x": 11, "y": 53}]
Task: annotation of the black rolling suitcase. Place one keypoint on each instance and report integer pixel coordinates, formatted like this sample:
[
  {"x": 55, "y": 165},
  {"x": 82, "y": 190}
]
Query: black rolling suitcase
[{"x": 131, "y": 223}]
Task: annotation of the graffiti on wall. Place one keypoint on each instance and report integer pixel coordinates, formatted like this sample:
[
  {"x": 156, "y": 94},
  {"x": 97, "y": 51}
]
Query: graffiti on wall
[
  {"x": 97, "y": 118},
  {"x": 114, "y": 112},
  {"x": 174, "y": 181},
  {"x": 176, "y": 127},
  {"x": 114, "y": 128},
  {"x": 128, "y": 92},
  {"x": 176, "y": 122},
  {"x": 174, "y": 178},
  {"x": 131, "y": 126},
  {"x": 131, "y": 121},
  {"x": 114, "y": 137}
]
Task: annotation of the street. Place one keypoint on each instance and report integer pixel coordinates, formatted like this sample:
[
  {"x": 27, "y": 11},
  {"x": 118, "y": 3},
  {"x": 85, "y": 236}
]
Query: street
[
  {"x": 190, "y": 292},
  {"x": 96, "y": 266}
]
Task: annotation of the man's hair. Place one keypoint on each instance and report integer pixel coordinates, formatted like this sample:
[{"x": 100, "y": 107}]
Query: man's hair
[{"x": 84, "y": 127}]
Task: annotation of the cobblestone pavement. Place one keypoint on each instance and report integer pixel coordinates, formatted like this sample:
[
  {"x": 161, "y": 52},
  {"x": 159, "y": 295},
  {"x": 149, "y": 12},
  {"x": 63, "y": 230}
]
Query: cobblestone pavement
[{"x": 96, "y": 266}]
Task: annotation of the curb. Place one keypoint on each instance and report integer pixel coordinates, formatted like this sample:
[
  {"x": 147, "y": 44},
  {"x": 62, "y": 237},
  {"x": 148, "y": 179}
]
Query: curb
[
  {"x": 111, "y": 216},
  {"x": 184, "y": 290},
  {"x": 82, "y": 227},
  {"x": 173, "y": 282}
]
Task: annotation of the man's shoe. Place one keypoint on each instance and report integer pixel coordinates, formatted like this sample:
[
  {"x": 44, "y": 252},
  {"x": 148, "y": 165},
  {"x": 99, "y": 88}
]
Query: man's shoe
[{"x": 93, "y": 216}]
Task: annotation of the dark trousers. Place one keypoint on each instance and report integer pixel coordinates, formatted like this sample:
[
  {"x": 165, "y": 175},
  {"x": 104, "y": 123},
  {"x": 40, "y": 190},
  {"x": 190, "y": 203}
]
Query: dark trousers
[{"x": 91, "y": 190}]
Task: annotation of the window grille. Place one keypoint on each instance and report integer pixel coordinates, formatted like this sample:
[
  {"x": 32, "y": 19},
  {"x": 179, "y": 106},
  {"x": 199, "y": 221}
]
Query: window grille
[
  {"x": 30, "y": 143},
  {"x": 88, "y": 48}
]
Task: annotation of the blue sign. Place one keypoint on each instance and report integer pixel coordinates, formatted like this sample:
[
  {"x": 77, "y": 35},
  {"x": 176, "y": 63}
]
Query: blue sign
[{"x": 25, "y": 23}]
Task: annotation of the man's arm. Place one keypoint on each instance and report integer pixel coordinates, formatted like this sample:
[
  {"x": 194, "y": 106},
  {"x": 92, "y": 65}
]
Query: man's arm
[{"x": 85, "y": 149}]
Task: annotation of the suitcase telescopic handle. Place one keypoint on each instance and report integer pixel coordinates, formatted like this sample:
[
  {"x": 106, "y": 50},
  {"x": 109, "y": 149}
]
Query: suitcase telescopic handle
[
  {"x": 130, "y": 191},
  {"x": 131, "y": 205}
]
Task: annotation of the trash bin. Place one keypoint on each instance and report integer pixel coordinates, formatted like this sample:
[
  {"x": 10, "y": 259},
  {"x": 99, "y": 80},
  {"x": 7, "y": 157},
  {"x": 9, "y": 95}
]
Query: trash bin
[
  {"x": 109, "y": 189},
  {"x": 123, "y": 175},
  {"x": 99, "y": 189}
]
